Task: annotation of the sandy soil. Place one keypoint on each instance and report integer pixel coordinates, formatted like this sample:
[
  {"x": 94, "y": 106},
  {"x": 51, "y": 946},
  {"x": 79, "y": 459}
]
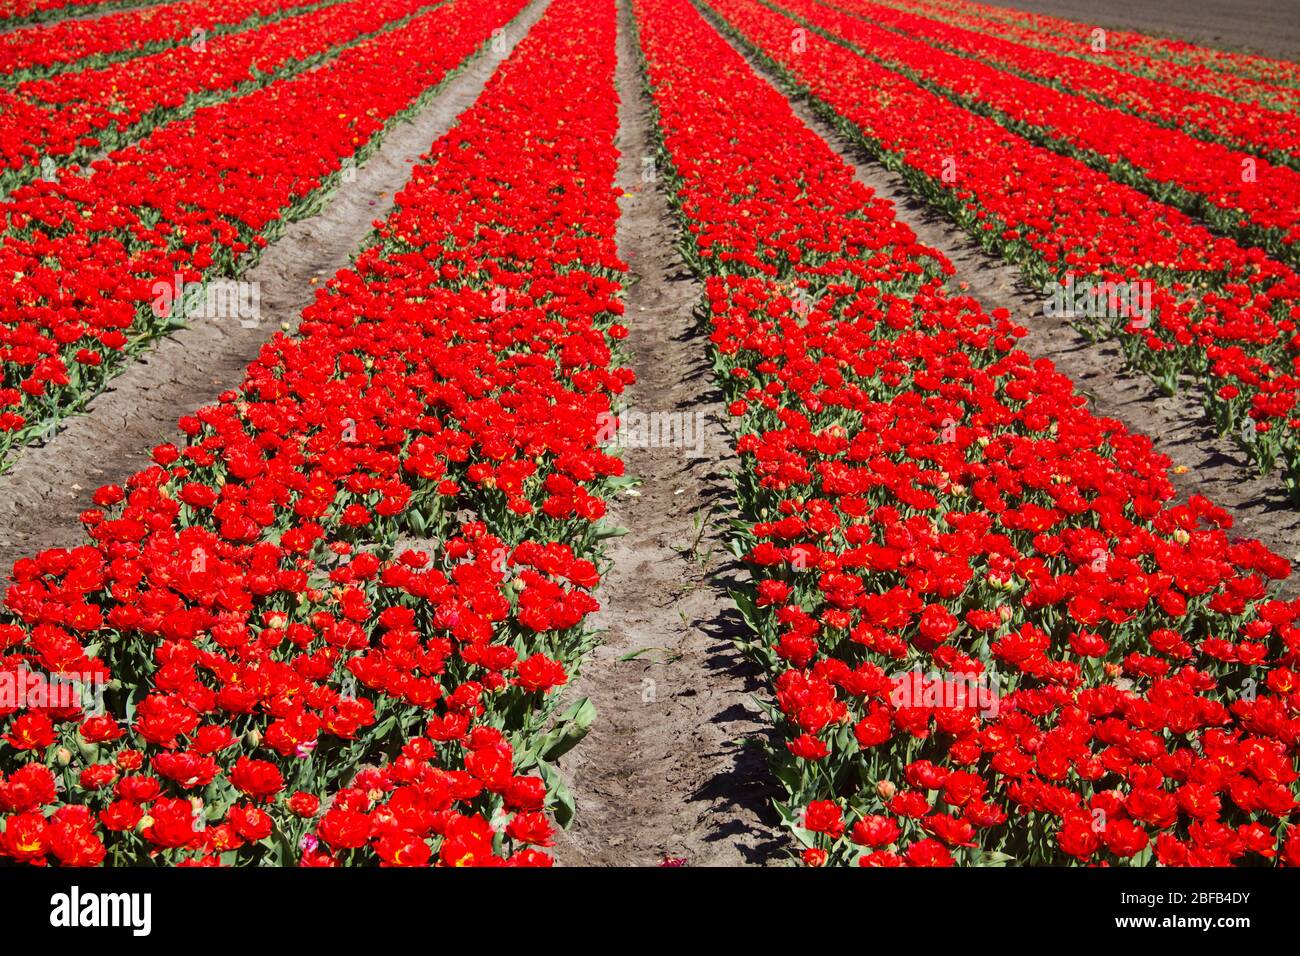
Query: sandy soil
[
  {"x": 1268, "y": 27},
  {"x": 1204, "y": 462},
  {"x": 667, "y": 772},
  {"x": 49, "y": 485}
]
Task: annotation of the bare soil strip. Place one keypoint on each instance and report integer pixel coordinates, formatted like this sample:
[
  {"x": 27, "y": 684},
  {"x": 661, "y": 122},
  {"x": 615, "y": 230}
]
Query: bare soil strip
[
  {"x": 1204, "y": 463},
  {"x": 50, "y": 485},
  {"x": 669, "y": 772},
  {"x": 1270, "y": 27}
]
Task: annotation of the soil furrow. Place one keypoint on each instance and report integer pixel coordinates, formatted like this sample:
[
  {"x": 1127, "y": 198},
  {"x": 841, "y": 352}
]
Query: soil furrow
[
  {"x": 49, "y": 485},
  {"x": 1204, "y": 463},
  {"x": 671, "y": 772}
]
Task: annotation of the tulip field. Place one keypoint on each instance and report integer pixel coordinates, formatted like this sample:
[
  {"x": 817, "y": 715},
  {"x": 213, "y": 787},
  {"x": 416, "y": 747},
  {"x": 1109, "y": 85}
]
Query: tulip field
[{"x": 645, "y": 432}]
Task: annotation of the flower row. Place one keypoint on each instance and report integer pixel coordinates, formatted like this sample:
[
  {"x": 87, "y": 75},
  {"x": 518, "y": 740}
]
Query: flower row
[
  {"x": 17, "y": 12},
  {"x": 1243, "y": 196},
  {"x": 194, "y": 200},
  {"x": 71, "y": 116},
  {"x": 992, "y": 635},
  {"x": 334, "y": 620},
  {"x": 1203, "y": 305},
  {"x": 38, "y": 51},
  {"x": 1251, "y": 127},
  {"x": 1252, "y": 79},
  {"x": 1174, "y": 51}
]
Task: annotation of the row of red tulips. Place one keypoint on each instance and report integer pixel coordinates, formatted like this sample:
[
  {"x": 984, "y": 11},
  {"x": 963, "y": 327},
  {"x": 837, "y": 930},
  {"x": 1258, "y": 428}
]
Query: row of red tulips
[
  {"x": 334, "y": 619},
  {"x": 992, "y": 634},
  {"x": 70, "y": 117},
  {"x": 1171, "y": 50},
  {"x": 195, "y": 199},
  {"x": 1245, "y": 197},
  {"x": 18, "y": 12},
  {"x": 1252, "y": 127},
  {"x": 1222, "y": 314},
  {"x": 1176, "y": 61},
  {"x": 37, "y": 51}
]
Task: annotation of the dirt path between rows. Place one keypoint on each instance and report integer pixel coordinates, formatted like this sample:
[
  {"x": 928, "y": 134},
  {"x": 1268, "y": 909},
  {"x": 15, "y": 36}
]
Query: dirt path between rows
[
  {"x": 1204, "y": 462},
  {"x": 51, "y": 484},
  {"x": 668, "y": 773}
]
